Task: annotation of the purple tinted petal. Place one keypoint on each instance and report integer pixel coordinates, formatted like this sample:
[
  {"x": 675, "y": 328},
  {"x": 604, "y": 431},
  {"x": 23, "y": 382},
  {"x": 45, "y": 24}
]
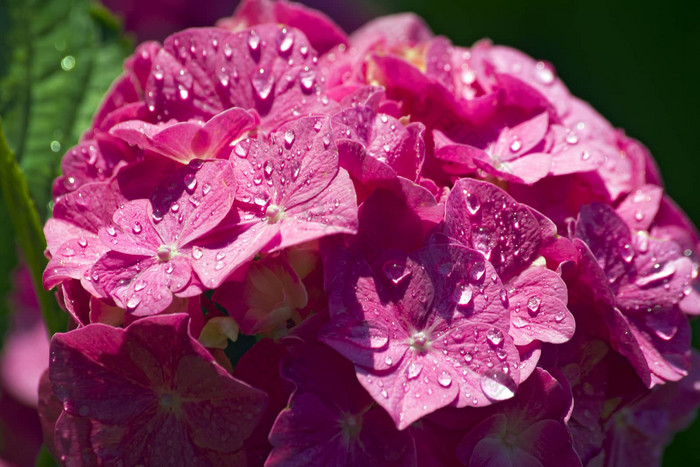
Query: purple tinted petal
[{"x": 639, "y": 208}]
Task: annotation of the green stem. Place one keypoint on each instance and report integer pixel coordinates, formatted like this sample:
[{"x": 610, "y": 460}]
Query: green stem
[{"x": 28, "y": 232}]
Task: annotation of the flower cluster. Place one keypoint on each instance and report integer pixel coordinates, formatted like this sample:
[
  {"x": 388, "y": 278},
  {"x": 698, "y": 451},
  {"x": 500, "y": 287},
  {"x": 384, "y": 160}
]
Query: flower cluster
[{"x": 282, "y": 244}]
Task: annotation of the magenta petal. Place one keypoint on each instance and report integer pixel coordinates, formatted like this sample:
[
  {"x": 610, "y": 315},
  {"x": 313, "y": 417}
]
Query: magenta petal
[
  {"x": 172, "y": 140},
  {"x": 484, "y": 217},
  {"x": 193, "y": 201},
  {"x": 323, "y": 34},
  {"x": 73, "y": 260},
  {"x": 537, "y": 301},
  {"x": 243, "y": 69},
  {"x": 136, "y": 234},
  {"x": 640, "y": 207},
  {"x": 213, "y": 138}
]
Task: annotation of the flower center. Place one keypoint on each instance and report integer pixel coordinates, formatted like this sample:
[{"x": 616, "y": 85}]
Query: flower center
[
  {"x": 420, "y": 342},
  {"x": 351, "y": 425},
  {"x": 164, "y": 253},
  {"x": 274, "y": 213}
]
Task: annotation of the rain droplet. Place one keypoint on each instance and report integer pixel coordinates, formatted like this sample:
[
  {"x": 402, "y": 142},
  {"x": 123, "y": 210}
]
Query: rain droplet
[
  {"x": 462, "y": 294},
  {"x": 388, "y": 360},
  {"x": 307, "y": 80},
  {"x": 444, "y": 379},
  {"x": 659, "y": 274},
  {"x": 395, "y": 272},
  {"x": 262, "y": 83},
  {"x": 190, "y": 182},
  {"x": 533, "y": 304},
  {"x": 478, "y": 270},
  {"x": 571, "y": 137},
  {"x": 206, "y": 188},
  {"x": 473, "y": 203},
  {"x": 267, "y": 167},
  {"x": 326, "y": 141},
  {"x": 498, "y": 386},
  {"x": 639, "y": 216},
  {"x": 368, "y": 337},
  {"x": 504, "y": 297},
  {"x": 175, "y": 207},
  {"x": 196, "y": 252},
  {"x": 68, "y": 251},
  {"x": 494, "y": 336},
  {"x": 413, "y": 370},
  {"x": 184, "y": 94},
  {"x": 544, "y": 73},
  {"x": 140, "y": 285},
  {"x": 253, "y": 41},
  {"x": 585, "y": 155},
  {"x": 286, "y": 42},
  {"x": 288, "y": 138},
  {"x": 627, "y": 253},
  {"x": 516, "y": 145},
  {"x": 137, "y": 228},
  {"x": 111, "y": 230},
  {"x": 133, "y": 302},
  {"x": 468, "y": 357},
  {"x": 220, "y": 255}
]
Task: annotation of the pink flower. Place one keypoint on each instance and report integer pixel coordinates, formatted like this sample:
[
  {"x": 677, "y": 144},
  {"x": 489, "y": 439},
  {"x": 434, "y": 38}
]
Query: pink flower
[
  {"x": 147, "y": 394},
  {"x": 153, "y": 244},
  {"x": 425, "y": 331}
]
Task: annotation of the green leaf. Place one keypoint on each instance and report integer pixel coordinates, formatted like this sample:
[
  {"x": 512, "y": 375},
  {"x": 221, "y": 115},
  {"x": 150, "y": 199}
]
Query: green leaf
[
  {"x": 58, "y": 60},
  {"x": 28, "y": 232}
]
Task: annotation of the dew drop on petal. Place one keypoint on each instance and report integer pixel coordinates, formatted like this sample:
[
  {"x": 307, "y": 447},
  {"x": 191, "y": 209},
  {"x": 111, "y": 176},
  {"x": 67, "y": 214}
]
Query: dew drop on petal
[
  {"x": 196, "y": 252},
  {"x": 263, "y": 82},
  {"x": 286, "y": 42},
  {"x": 478, "y": 270},
  {"x": 627, "y": 253},
  {"x": 413, "y": 370},
  {"x": 368, "y": 337},
  {"x": 140, "y": 285},
  {"x": 253, "y": 41},
  {"x": 516, "y": 145},
  {"x": 544, "y": 73},
  {"x": 206, "y": 188},
  {"x": 82, "y": 241},
  {"x": 388, "y": 360},
  {"x": 498, "y": 386},
  {"x": 288, "y": 138},
  {"x": 571, "y": 137},
  {"x": 133, "y": 302},
  {"x": 444, "y": 379},
  {"x": 190, "y": 182},
  {"x": 395, "y": 272},
  {"x": 494, "y": 336},
  {"x": 534, "y": 304},
  {"x": 462, "y": 294},
  {"x": 473, "y": 203},
  {"x": 137, "y": 228}
]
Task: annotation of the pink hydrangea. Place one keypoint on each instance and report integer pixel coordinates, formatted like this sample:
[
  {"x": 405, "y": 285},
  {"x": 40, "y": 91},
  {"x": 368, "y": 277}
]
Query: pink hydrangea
[{"x": 417, "y": 253}]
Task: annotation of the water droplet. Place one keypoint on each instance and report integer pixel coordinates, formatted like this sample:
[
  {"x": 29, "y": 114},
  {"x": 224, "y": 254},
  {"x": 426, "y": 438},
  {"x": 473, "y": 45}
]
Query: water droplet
[
  {"x": 494, "y": 336},
  {"x": 262, "y": 83},
  {"x": 288, "y": 138},
  {"x": 133, "y": 302},
  {"x": 140, "y": 285},
  {"x": 571, "y": 137},
  {"x": 158, "y": 73},
  {"x": 585, "y": 155},
  {"x": 504, "y": 297},
  {"x": 388, "y": 360},
  {"x": 206, "y": 188},
  {"x": 253, "y": 41},
  {"x": 286, "y": 41},
  {"x": 413, "y": 370},
  {"x": 444, "y": 379},
  {"x": 481, "y": 239},
  {"x": 468, "y": 357},
  {"x": 498, "y": 386},
  {"x": 220, "y": 255},
  {"x": 473, "y": 203},
  {"x": 169, "y": 268},
  {"x": 368, "y": 337},
  {"x": 395, "y": 272},
  {"x": 175, "y": 207},
  {"x": 478, "y": 270},
  {"x": 627, "y": 253},
  {"x": 326, "y": 141},
  {"x": 533, "y": 304},
  {"x": 307, "y": 80},
  {"x": 462, "y": 294},
  {"x": 516, "y": 145},
  {"x": 659, "y": 274},
  {"x": 68, "y": 251},
  {"x": 82, "y": 241},
  {"x": 137, "y": 228},
  {"x": 559, "y": 316},
  {"x": 196, "y": 252},
  {"x": 544, "y": 73},
  {"x": 267, "y": 168},
  {"x": 111, "y": 230},
  {"x": 184, "y": 94},
  {"x": 639, "y": 216}
]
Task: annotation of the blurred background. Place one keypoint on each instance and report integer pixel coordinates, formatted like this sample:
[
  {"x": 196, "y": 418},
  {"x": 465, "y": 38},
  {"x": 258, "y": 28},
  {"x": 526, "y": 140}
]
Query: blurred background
[{"x": 636, "y": 62}]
